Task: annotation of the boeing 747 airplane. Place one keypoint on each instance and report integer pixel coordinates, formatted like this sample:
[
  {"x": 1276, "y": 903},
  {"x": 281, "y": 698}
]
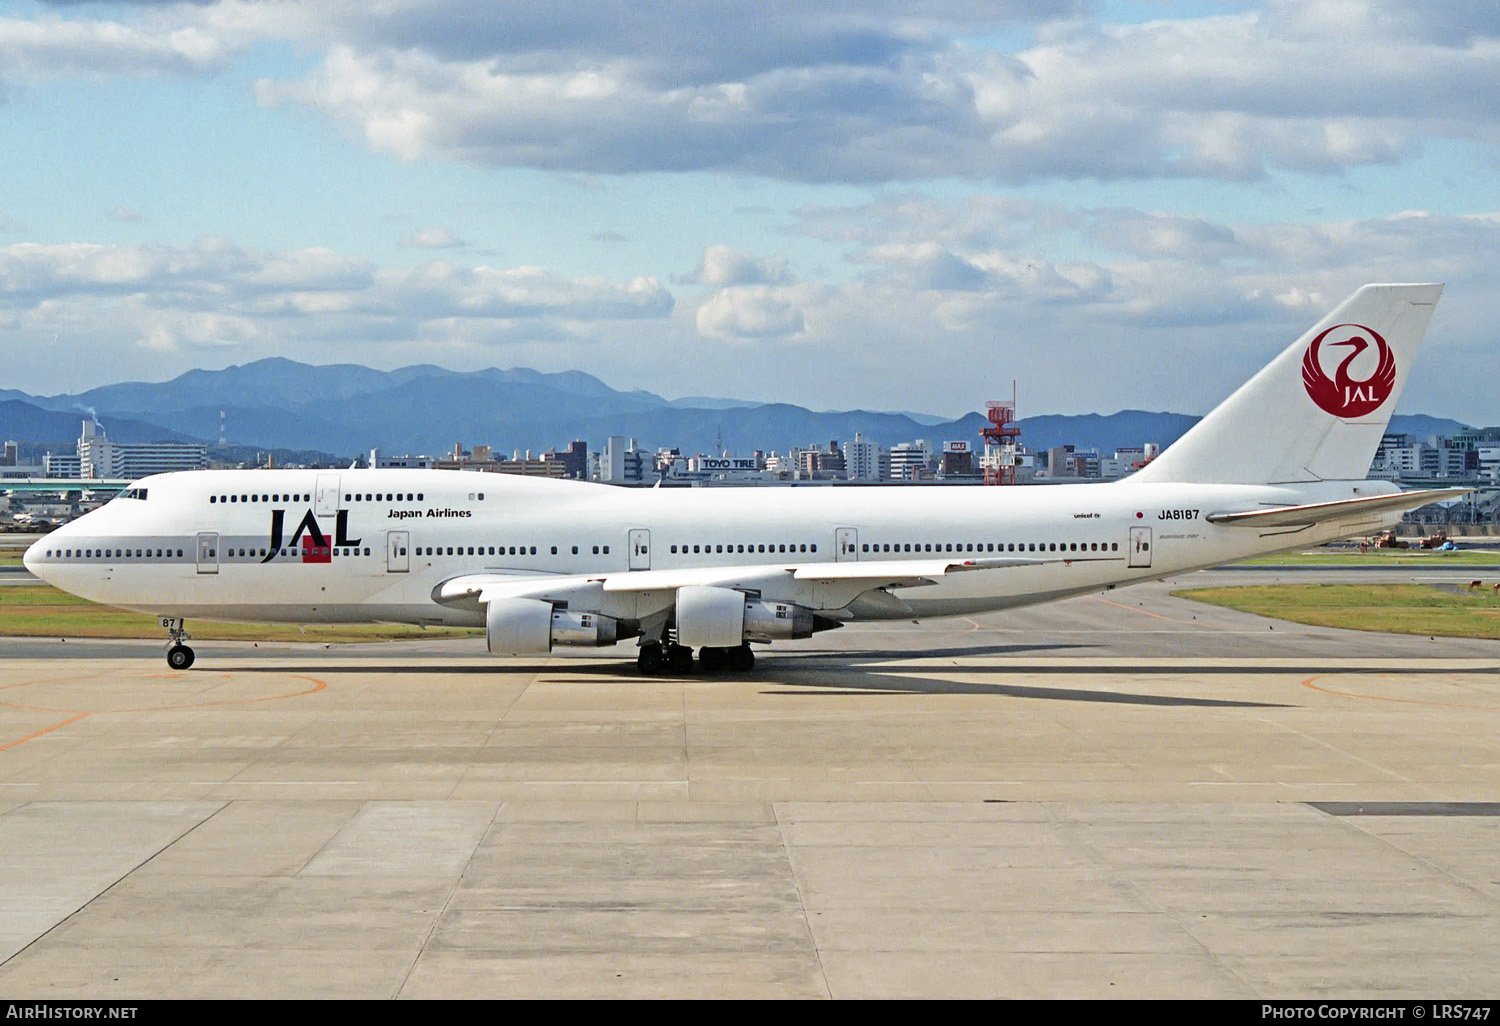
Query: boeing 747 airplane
[{"x": 1279, "y": 464}]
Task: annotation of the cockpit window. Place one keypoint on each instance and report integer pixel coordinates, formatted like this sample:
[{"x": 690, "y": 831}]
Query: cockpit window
[{"x": 133, "y": 493}]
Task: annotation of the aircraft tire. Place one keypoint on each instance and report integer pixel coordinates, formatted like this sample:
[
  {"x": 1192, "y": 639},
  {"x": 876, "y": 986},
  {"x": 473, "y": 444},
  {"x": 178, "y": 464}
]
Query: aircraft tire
[
  {"x": 741, "y": 658},
  {"x": 179, "y": 657},
  {"x": 681, "y": 659},
  {"x": 651, "y": 661},
  {"x": 712, "y": 660}
]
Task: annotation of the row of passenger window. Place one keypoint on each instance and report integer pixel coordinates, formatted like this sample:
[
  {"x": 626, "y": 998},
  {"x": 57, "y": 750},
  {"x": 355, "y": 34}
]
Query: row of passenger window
[
  {"x": 312, "y": 550},
  {"x": 990, "y": 547},
  {"x": 113, "y": 553},
  {"x": 768, "y": 548},
  {"x": 259, "y": 498},
  {"x": 495, "y": 550},
  {"x": 385, "y": 497}
]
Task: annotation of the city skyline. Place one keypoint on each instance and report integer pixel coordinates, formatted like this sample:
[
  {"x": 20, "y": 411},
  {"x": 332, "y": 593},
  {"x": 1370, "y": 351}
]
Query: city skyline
[{"x": 1123, "y": 204}]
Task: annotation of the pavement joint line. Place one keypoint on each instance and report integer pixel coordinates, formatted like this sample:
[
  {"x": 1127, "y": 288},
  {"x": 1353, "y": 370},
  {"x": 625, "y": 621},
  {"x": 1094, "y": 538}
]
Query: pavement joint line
[
  {"x": 458, "y": 879},
  {"x": 1348, "y": 755},
  {"x": 791, "y": 868},
  {"x": 115, "y": 883},
  {"x": 1347, "y": 822},
  {"x": 1070, "y": 830},
  {"x": 494, "y": 728}
]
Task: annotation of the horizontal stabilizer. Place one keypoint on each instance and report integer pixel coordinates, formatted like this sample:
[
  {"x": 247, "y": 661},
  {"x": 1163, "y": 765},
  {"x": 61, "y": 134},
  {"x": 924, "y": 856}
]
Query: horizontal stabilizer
[{"x": 1345, "y": 509}]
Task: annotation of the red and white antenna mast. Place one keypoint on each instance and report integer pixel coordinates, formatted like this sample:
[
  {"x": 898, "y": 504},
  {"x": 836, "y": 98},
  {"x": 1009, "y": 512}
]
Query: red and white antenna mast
[{"x": 1000, "y": 439}]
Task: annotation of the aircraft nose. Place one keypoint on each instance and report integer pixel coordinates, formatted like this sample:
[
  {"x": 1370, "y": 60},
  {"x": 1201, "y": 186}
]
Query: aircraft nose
[{"x": 32, "y": 559}]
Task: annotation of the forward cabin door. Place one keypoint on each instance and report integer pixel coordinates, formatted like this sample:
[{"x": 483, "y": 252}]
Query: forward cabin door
[
  {"x": 640, "y": 549},
  {"x": 845, "y": 544},
  {"x": 326, "y": 501},
  {"x": 1140, "y": 547},
  {"x": 396, "y": 559},
  {"x": 208, "y": 553}
]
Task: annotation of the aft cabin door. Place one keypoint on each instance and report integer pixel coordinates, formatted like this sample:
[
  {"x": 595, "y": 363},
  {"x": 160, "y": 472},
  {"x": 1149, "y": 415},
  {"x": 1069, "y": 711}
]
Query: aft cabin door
[
  {"x": 208, "y": 553},
  {"x": 845, "y": 544},
  {"x": 640, "y": 549},
  {"x": 1140, "y": 546},
  {"x": 396, "y": 559}
]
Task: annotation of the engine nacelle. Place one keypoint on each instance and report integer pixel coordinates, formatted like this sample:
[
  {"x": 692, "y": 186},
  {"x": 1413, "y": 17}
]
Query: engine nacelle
[
  {"x": 769, "y": 621},
  {"x": 710, "y": 617},
  {"x": 522, "y": 626}
]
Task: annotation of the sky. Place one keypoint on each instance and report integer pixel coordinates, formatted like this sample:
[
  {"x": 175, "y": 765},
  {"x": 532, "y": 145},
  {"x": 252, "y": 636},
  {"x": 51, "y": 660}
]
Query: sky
[{"x": 885, "y": 205}]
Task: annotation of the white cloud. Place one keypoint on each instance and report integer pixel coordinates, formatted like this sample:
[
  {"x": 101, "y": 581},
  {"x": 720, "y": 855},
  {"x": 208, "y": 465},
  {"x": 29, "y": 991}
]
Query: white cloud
[
  {"x": 49, "y": 47},
  {"x": 860, "y": 92},
  {"x": 432, "y": 238},
  {"x": 213, "y": 293},
  {"x": 871, "y": 96},
  {"x": 722, "y": 265},
  {"x": 752, "y": 313}
]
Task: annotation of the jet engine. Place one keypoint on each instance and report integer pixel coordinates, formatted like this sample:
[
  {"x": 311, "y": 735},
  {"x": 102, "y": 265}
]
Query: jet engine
[
  {"x": 712, "y": 617},
  {"x": 522, "y": 626}
]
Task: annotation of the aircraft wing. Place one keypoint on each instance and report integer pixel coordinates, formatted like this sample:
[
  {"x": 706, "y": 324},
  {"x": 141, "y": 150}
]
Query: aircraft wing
[
  {"x": 482, "y": 587},
  {"x": 1344, "y": 509}
]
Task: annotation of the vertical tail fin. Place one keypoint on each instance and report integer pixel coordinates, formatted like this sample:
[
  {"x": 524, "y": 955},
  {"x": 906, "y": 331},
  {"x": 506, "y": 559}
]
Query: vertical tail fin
[{"x": 1317, "y": 411}]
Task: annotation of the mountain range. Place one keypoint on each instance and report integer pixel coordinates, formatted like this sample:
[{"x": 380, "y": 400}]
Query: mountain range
[{"x": 347, "y": 409}]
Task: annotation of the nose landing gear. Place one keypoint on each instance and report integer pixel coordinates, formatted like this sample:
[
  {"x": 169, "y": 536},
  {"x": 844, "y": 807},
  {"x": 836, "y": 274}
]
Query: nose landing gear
[{"x": 179, "y": 656}]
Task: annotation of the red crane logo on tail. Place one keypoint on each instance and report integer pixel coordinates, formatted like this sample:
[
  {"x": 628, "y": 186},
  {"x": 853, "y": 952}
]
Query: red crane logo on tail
[{"x": 1343, "y": 395}]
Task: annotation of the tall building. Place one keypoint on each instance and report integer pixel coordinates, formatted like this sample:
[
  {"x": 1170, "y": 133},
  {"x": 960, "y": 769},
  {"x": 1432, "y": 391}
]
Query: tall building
[
  {"x": 911, "y": 461},
  {"x": 98, "y": 457},
  {"x": 61, "y": 464},
  {"x": 623, "y": 462},
  {"x": 861, "y": 459}
]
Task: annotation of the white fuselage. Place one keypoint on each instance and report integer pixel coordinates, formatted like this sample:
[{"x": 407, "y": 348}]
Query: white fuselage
[{"x": 309, "y": 546}]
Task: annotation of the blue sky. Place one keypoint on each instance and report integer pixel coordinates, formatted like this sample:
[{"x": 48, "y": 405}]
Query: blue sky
[{"x": 881, "y": 205}]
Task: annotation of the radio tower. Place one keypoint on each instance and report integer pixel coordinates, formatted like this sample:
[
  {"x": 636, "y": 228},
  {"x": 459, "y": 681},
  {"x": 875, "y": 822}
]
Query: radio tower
[
  {"x": 1000, "y": 441},
  {"x": 221, "y": 429}
]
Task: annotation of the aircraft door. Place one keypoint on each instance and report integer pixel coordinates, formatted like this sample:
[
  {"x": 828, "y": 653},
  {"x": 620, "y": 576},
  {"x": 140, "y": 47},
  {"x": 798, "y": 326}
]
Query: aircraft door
[
  {"x": 640, "y": 549},
  {"x": 326, "y": 501},
  {"x": 1140, "y": 547},
  {"x": 396, "y": 559},
  {"x": 845, "y": 544},
  {"x": 208, "y": 553}
]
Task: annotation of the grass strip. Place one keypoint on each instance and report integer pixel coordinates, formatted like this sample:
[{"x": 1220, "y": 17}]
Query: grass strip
[
  {"x": 1390, "y": 608},
  {"x": 42, "y": 611},
  {"x": 1378, "y": 557}
]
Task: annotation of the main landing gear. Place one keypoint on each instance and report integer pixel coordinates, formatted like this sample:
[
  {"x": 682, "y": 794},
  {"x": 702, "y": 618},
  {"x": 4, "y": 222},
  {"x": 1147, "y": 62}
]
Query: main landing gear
[
  {"x": 657, "y": 659},
  {"x": 179, "y": 656}
]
